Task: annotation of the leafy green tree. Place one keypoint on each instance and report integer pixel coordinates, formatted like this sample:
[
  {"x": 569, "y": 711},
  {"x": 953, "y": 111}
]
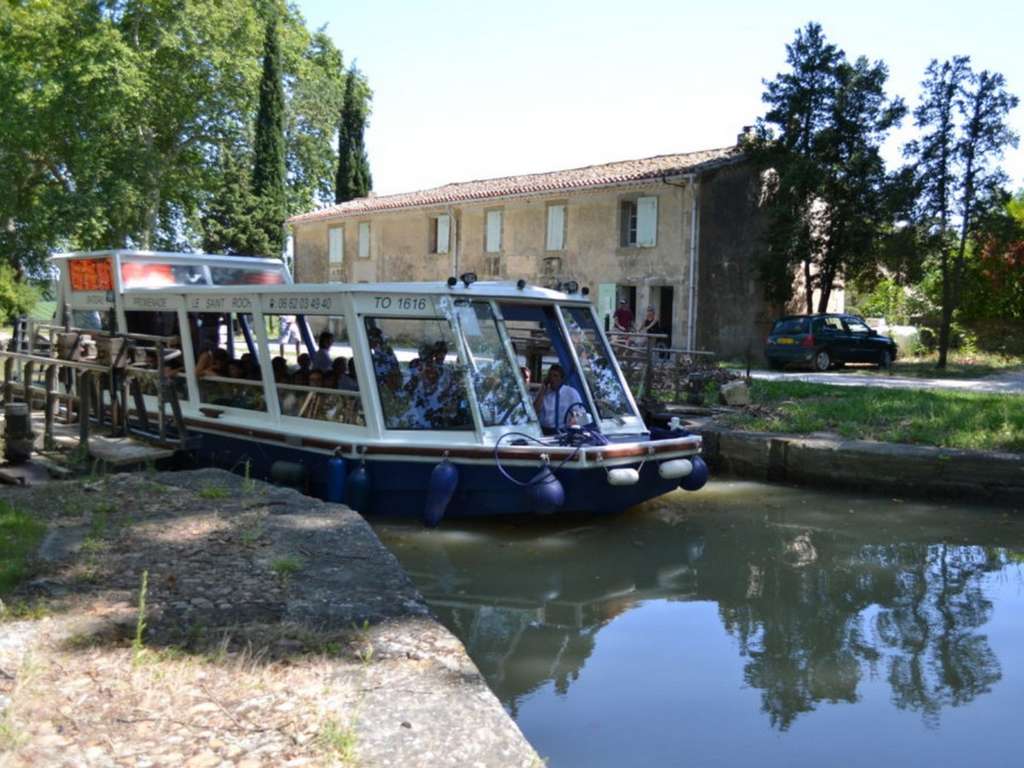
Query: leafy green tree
[
  {"x": 819, "y": 147},
  {"x": 353, "y": 178},
  {"x": 231, "y": 221},
  {"x": 112, "y": 116},
  {"x": 268, "y": 176},
  {"x": 962, "y": 116}
]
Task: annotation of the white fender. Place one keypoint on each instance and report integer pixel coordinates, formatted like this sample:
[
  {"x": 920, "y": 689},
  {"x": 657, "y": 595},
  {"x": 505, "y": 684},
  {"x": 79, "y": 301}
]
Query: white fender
[
  {"x": 673, "y": 469},
  {"x": 623, "y": 476}
]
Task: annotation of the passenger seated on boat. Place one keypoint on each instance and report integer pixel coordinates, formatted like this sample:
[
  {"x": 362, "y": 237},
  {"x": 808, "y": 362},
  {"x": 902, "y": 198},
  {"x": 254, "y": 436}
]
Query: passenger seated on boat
[
  {"x": 434, "y": 401},
  {"x": 304, "y": 363},
  {"x": 554, "y": 400},
  {"x": 342, "y": 379},
  {"x": 385, "y": 362},
  {"x": 322, "y": 357},
  {"x": 212, "y": 362},
  {"x": 280, "y": 368}
]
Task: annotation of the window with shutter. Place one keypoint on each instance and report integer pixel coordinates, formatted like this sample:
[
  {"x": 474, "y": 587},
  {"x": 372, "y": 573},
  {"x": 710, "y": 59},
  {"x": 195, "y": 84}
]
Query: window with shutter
[
  {"x": 364, "y": 239},
  {"x": 647, "y": 222},
  {"x": 440, "y": 234},
  {"x": 556, "y": 228},
  {"x": 492, "y": 240},
  {"x": 335, "y": 253}
]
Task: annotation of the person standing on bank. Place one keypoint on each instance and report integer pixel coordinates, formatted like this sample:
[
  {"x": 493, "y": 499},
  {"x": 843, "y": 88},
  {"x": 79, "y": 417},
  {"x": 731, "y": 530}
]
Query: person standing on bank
[
  {"x": 554, "y": 400},
  {"x": 623, "y": 317}
]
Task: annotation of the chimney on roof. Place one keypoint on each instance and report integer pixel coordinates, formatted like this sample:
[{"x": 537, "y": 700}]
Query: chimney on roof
[{"x": 747, "y": 133}]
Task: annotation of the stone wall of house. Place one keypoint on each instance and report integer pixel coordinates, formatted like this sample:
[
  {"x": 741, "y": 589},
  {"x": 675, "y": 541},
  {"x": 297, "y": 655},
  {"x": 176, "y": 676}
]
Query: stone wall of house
[{"x": 401, "y": 244}]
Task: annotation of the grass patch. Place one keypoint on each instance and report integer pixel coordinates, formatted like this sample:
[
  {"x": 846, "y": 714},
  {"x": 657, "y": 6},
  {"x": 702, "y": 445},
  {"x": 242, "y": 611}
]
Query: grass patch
[
  {"x": 20, "y": 535},
  {"x": 338, "y": 741},
  {"x": 948, "y": 419},
  {"x": 22, "y": 610},
  {"x": 958, "y": 366}
]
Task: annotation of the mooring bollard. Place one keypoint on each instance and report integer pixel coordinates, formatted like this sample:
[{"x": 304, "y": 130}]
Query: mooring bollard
[{"x": 18, "y": 437}]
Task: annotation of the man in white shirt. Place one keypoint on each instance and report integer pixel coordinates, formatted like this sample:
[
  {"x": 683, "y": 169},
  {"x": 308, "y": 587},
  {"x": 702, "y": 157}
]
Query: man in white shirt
[{"x": 554, "y": 400}]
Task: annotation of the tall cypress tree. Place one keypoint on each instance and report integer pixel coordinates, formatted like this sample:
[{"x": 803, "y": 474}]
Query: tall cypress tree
[
  {"x": 353, "y": 178},
  {"x": 268, "y": 175}
]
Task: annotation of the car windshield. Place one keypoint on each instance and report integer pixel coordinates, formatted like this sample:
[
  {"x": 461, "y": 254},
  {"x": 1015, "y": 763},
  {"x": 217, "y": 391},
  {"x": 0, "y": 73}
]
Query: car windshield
[{"x": 790, "y": 325}]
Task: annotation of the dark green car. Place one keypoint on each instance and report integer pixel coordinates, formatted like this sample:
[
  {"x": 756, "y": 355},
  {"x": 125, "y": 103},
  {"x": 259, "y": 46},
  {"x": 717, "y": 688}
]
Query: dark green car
[{"x": 826, "y": 341}]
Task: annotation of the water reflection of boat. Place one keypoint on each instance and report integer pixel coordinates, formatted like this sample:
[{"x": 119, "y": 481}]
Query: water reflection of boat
[
  {"x": 908, "y": 609},
  {"x": 404, "y": 387}
]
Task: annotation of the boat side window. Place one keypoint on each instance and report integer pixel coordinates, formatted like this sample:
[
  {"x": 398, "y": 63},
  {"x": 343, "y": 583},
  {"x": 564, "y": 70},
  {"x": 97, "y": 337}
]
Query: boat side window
[
  {"x": 596, "y": 363},
  {"x": 90, "y": 320},
  {"x": 322, "y": 386},
  {"x": 493, "y": 373},
  {"x": 146, "y": 353},
  {"x": 225, "y": 375},
  {"x": 420, "y": 379}
]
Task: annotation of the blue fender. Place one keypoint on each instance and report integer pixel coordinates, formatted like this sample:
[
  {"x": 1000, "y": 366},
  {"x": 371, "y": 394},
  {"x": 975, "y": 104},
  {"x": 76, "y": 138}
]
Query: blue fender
[
  {"x": 336, "y": 480},
  {"x": 545, "y": 493},
  {"x": 444, "y": 479},
  {"x": 697, "y": 478},
  {"x": 357, "y": 489}
]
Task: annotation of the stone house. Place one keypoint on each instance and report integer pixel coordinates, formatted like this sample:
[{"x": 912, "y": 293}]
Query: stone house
[{"x": 676, "y": 232}]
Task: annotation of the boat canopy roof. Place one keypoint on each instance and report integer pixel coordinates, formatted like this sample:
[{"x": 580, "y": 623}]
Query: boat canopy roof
[{"x": 186, "y": 284}]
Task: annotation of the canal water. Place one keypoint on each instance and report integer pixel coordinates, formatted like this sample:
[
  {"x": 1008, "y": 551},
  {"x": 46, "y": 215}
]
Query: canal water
[{"x": 745, "y": 624}]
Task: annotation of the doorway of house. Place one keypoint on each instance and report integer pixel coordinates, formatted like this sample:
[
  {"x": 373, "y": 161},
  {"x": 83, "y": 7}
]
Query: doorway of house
[{"x": 666, "y": 297}]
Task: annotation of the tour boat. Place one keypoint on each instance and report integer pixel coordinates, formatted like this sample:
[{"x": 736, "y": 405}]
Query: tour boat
[{"x": 413, "y": 399}]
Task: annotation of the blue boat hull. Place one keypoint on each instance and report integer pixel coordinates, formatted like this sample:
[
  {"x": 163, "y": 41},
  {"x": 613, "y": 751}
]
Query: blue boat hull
[{"x": 398, "y": 488}]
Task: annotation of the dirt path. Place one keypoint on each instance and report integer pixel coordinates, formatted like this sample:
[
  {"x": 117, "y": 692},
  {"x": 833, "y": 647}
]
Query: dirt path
[{"x": 279, "y": 632}]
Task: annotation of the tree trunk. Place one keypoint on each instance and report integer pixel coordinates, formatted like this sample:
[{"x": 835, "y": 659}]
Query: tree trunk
[
  {"x": 947, "y": 312},
  {"x": 825, "y": 278},
  {"x": 808, "y": 287}
]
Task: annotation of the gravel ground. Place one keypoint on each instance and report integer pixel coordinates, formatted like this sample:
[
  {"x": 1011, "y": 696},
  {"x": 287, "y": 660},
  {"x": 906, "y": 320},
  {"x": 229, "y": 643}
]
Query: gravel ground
[{"x": 279, "y": 632}]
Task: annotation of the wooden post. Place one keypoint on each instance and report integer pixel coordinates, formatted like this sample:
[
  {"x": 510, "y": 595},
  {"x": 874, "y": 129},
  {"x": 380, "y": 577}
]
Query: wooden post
[
  {"x": 8, "y": 380},
  {"x": 84, "y": 398},
  {"x": 161, "y": 390},
  {"x": 51, "y": 405},
  {"x": 26, "y": 373}
]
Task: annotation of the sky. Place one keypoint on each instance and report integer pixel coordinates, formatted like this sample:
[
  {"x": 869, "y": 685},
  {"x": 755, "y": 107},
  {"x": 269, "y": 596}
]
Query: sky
[{"x": 470, "y": 90}]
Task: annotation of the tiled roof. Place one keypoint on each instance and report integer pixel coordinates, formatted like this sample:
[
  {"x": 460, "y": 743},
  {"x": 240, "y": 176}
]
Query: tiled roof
[{"x": 621, "y": 172}]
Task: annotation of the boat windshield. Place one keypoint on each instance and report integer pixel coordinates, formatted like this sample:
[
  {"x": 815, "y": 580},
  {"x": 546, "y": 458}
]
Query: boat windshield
[
  {"x": 491, "y": 369},
  {"x": 596, "y": 363}
]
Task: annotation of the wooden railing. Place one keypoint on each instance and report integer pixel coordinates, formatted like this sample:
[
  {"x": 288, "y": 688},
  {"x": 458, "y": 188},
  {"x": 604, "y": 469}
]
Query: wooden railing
[{"x": 81, "y": 381}]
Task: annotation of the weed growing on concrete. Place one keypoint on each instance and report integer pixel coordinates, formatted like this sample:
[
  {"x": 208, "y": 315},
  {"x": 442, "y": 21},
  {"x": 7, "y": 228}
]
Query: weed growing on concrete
[
  {"x": 138, "y": 644},
  {"x": 365, "y": 653},
  {"x": 251, "y": 529},
  {"x": 285, "y": 567},
  {"x": 9, "y": 736},
  {"x": 213, "y": 492},
  {"x": 248, "y": 484},
  {"x": 338, "y": 741}
]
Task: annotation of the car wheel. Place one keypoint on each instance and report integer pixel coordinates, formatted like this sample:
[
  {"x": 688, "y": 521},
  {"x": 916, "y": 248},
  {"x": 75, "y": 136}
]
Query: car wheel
[
  {"x": 822, "y": 361},
  {"x": 884, "y": 360}
]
